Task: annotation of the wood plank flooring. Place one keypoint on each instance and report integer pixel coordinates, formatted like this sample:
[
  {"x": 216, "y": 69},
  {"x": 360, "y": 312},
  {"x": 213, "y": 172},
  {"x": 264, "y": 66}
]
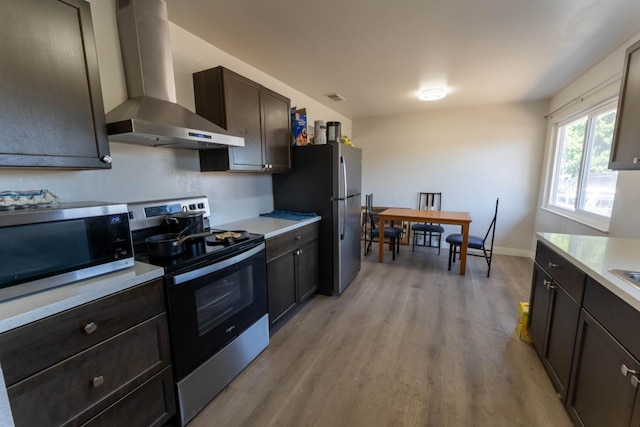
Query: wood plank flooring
[{"x": 407, "y": 344}]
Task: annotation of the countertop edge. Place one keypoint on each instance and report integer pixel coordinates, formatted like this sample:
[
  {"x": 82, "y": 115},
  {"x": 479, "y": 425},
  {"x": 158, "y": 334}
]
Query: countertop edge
[
  {"x": 599, "y": 272},
  {"x": 267, "y": 226},
  {"x": 24, "y": 310}
]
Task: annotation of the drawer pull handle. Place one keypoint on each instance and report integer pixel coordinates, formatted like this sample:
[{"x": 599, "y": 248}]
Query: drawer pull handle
[
  {"x": 97, "y": 381},
  {"x": 634, "y": 379},
  {"x": 624, "y": 370},
  {"x": 553, "y": 265},
  {"x": 298, "y": 237},
  {"x": 90, "y": 328}
]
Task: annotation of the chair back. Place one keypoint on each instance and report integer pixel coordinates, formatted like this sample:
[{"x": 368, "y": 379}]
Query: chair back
[
  {"x": 430, "y": 201},
  {"x": 369, "y": 211},
  {"x": 492, "y": 227}
]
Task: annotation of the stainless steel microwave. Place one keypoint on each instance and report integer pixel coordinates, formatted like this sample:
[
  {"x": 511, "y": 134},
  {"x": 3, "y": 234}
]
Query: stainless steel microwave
[{"x": 42, "y": 248}]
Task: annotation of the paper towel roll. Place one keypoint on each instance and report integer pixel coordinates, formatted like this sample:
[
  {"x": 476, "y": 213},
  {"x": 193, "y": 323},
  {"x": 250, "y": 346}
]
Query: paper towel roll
[{"x": 320, "y": 131}]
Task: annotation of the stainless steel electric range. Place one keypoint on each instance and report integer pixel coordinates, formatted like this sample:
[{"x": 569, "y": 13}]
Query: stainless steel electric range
[{"x": 216, "y": 293}]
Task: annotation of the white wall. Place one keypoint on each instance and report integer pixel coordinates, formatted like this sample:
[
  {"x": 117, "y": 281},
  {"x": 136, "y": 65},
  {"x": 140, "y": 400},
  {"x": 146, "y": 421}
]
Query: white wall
[
  {"x": 471, "y": 155},
  {"x": 624, "y": 217},
  {"x": 143, "y": 173}
]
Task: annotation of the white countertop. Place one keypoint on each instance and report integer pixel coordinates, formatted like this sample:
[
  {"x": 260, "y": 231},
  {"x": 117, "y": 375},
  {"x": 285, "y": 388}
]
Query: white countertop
[
  {"x": 597, "y": 255},
  {"x": 20, "y": 311},
  {"x": 268, "y": 226}
]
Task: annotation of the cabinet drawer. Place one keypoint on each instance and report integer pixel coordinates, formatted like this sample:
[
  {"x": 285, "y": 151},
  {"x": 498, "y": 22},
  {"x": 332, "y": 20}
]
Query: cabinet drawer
[
  {"x": 618, "y": 318},
  {"x": 562, "y": 271},
  {"x": 38, "y": 345},
  {"x": 78, "y": 388},
  {"x": 284, "y": 243},
  {"x": 150, "y": 405}
]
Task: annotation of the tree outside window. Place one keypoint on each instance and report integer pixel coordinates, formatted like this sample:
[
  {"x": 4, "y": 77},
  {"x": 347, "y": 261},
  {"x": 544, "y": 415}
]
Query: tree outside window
[{"x": 582, "y": 181}]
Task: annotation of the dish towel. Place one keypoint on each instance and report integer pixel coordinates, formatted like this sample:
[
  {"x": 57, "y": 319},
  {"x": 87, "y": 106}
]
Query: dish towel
[{"x": 294, "y": 216}]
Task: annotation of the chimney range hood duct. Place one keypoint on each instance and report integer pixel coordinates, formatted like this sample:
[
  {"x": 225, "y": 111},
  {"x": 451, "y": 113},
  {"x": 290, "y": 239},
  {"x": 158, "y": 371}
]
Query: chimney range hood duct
[{"x": 151, "y": 115}]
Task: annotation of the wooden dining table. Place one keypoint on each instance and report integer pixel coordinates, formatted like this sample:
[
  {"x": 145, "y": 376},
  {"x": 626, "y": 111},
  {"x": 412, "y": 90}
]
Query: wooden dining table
[{"x": 462, "y": 219}]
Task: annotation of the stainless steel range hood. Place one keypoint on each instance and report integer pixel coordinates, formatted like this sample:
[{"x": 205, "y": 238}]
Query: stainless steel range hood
[{"x": 151, "y": 115}]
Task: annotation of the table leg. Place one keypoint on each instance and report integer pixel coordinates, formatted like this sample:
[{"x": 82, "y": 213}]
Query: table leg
[
  {"x": 463, "y": 249},
  {"x": 381, "y": 242}
]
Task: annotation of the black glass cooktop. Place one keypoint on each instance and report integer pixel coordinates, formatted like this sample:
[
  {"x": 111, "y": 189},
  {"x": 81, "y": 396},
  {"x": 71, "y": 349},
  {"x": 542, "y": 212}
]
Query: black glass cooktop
[{"x": 198, "y": 251}]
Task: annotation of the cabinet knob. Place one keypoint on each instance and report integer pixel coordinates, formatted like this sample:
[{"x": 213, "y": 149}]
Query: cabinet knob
[
  {"x": 625, "y": 370},
  {"x": 298, "y": 252},
  {"x": 298, "y": 237},
  {"x": 97, "y": 381},
  {"x": 106, "y": 159},
  {"x": 636, "y": 160},
  {"x": 553, "y": 265},
  {"x": 549, "y": 284},
  {"x": 634, "y": 379},
  {"x": 90, "y": 327}
]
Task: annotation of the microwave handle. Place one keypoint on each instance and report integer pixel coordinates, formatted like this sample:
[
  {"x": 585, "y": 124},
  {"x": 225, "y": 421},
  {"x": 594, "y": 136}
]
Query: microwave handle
[{"x": 217, "y": 266}]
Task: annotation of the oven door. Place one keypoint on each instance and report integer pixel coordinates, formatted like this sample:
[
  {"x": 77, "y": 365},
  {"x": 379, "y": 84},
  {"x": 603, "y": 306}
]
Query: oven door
[{"x": 212, "y": 304}]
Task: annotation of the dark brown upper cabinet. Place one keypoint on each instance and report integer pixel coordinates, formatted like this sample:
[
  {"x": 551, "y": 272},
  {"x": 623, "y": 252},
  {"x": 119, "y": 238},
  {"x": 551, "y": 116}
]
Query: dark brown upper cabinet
[
  {"x": 625, "y": 149},
  {"x": 51, "y": 110},
  {"x": 247, "y": 109}
]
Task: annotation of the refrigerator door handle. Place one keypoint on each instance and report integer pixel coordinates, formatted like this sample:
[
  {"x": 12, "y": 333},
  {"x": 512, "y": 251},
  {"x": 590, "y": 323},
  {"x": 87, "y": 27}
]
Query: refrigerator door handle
[{"x": 343, "y": 198}]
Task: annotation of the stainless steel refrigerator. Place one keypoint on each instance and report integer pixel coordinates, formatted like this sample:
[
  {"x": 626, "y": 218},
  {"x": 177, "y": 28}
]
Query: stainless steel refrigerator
[{"x": 326, "y": 179}]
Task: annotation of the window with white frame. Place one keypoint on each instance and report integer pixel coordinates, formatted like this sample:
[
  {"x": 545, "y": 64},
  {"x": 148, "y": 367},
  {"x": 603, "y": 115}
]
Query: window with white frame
[{"x": 582, "y": 185}]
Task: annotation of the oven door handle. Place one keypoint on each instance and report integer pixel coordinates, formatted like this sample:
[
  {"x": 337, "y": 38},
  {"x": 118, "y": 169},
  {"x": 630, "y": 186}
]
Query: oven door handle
[{"x": 217, "y": 266}]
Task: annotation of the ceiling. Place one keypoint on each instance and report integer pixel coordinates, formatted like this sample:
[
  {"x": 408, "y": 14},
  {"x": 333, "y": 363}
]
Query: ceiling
[{"x": 379, "y": 54}]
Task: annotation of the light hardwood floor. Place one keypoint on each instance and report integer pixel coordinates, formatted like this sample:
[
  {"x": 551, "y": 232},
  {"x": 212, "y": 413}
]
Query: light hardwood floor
[{"x": 407, "y": 344}]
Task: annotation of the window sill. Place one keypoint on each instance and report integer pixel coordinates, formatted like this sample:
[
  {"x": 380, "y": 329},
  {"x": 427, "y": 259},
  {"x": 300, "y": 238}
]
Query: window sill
[{"x": 597, "y": 223}]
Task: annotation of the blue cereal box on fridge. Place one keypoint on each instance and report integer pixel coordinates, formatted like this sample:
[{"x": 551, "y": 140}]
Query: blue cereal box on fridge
[{"x": 299, "y": 126}]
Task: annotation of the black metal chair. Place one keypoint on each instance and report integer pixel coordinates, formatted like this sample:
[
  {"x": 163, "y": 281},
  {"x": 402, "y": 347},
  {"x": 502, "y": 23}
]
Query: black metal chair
[
  {"x": 391, "y": 233},
  {"x": 428, "y": 231},
  {"x": 475, "y": 242}
]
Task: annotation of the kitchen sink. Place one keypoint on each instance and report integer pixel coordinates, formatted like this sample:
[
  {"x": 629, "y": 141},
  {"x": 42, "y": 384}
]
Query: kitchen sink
[{"x": 630, "y": 276}]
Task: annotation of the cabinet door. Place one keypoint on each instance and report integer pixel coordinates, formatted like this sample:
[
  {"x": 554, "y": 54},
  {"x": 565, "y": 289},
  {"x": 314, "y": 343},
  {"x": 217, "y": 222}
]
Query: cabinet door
[
  {"x": 51, "y": 106},
  {"x": 307, "y": 269},
  {"x": 281, "y": 286},
  {"x": 232, "y": 102},
  {"x": 276, "y": 121},
  {"x": 560, "y": 339},
  {"x": 242, "y": 99},
  {"x": 625, "y": 150},
  {"x": 539, "y": 308},
  {"x": 600, "y": 395}
]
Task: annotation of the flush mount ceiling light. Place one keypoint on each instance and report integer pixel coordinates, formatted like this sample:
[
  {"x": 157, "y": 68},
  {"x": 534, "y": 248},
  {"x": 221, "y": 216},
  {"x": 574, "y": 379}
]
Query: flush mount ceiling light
[{"x": 432, "y": 94}]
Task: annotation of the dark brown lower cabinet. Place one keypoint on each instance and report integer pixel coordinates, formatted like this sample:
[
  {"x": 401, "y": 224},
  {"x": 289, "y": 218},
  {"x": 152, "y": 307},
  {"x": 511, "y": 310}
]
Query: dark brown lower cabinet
[
  {"x": 539, "y": 308},
  {"x": 587, "y": 339},
  {"x": 155, "y": 396},
  {"x": 553, "y": 326},
  {"x": 307, "y": 270},
  {"x": 106, "y": 362},
  {"x": 601, "y": 394},
  {"x": 292, "y": 270},
  {"x": 281, "y": 287}
]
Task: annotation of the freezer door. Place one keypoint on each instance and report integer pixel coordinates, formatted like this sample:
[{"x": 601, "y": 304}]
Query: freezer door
[
  {"x": 350, "y": 170},
  {"x": 348, "y": 253}
]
